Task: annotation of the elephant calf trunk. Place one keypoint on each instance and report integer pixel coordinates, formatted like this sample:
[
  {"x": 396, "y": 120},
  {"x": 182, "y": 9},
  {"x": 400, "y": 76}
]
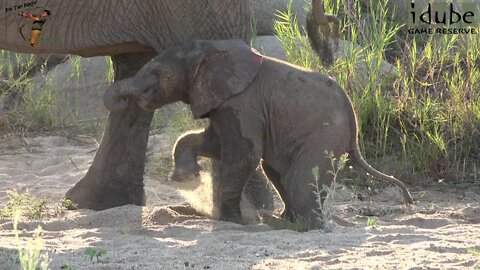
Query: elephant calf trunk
[{"x": 116, "y": 96}]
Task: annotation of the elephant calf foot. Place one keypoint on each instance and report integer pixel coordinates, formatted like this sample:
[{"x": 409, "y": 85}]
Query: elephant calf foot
[
  {"x": 188, "y": 148},
  {"x": 234, "y": 219},
  {"x": 185, "y": 173},
  {"x": 231, "y": 213},
  {"x": 309, "y": 217}
]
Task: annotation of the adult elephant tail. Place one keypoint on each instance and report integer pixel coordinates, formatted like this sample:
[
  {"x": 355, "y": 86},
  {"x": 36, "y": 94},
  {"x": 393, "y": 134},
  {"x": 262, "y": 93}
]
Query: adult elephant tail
[{"x": 322, "y": 29}]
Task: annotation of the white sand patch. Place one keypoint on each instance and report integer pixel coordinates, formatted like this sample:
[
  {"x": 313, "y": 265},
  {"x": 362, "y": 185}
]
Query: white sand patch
[{"x": 433, "y": 233}]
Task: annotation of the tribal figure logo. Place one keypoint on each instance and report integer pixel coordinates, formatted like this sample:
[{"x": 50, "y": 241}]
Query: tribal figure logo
[{"x": 37, "y": 24}]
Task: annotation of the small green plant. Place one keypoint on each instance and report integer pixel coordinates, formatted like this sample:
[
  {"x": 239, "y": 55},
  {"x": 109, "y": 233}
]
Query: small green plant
[
  {"x": 66, "y": 203},
  {"x": 30, "y": 256},
  {"x": 475, "y": 252},
  {"x": 254, "y": 24},
  {"x": 95, "y": 253},
  {"x": 110, "y": 72},
  {"x": 299, "y": 225},
  {"x": 372, "y": 222},
  {"x": 27, "y": 204},
  {"x": 67, "y": 267},
  {"x": 326, "y": 195},
  {"x": 422, "y": 194},
  {"x": 63, "y": 206}
]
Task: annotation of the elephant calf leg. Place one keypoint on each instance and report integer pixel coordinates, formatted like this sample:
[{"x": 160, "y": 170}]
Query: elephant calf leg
[
  {"x": 275, "y": 178},
  {"x": 235, "y": 170},
  {"x": 301, "y": 202},
  {"x": 206, "y": 144},
  {"x": 239, "y": 159},
  {"x": 186, "y": 150}
]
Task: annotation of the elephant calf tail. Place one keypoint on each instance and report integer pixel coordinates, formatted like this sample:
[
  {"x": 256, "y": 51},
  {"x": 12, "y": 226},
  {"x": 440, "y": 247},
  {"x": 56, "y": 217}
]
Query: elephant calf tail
[{"x": 357, "y": 156}]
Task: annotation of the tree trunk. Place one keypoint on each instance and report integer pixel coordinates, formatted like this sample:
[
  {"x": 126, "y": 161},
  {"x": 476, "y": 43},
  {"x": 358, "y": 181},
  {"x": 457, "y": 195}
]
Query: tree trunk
[{"x": 116, "y": 175}]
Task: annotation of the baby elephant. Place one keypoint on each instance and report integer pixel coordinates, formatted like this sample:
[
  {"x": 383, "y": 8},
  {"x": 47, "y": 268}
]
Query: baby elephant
[{"x": 260, "y": 108}]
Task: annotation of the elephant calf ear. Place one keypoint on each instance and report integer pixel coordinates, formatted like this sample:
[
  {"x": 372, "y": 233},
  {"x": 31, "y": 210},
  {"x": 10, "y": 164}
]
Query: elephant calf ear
[{"x": 219, "y": 70}]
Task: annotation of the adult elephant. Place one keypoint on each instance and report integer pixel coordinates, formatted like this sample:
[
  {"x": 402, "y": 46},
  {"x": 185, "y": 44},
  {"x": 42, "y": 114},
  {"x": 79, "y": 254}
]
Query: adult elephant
[{"x": 131, "y": 32}]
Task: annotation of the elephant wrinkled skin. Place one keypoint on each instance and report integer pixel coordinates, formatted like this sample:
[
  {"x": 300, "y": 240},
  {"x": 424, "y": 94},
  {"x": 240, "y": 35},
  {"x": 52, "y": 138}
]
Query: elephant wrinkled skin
[
  {"x": 132, "y": 32},
  {"x": 259, "y": 108}
]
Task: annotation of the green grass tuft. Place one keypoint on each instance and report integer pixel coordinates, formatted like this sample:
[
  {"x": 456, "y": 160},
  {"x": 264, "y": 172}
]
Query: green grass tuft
[
  {"x": 299, "y": 225},
  {"x": 372, "y": 222},
  {"x": 92, "y": 253}
]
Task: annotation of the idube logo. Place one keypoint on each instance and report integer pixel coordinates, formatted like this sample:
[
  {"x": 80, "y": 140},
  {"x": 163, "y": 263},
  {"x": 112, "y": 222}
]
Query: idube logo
[{"x": 444, "y": 18}]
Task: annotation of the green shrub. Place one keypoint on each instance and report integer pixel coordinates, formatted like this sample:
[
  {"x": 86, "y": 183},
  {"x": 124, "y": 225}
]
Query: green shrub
[
  {"x": 423, "y": 114},
  {"x": 28, "y": 205}
]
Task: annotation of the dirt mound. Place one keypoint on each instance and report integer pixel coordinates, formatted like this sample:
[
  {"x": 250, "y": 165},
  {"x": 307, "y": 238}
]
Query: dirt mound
[{"x": 169, "y": 215}]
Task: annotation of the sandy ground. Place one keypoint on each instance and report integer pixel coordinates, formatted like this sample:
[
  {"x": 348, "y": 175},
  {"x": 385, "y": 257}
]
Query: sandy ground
[{"x": 434, "y": 233}]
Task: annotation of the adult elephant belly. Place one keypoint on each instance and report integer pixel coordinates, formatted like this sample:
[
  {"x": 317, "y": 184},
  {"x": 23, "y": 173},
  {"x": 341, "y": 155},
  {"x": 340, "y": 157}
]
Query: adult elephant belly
[
  {"x": 112, "y": 27},
  {"x": 132, "y": 32}
]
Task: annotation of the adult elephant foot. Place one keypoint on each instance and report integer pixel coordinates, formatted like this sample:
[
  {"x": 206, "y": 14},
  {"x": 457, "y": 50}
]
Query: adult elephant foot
[{"x": 116, "y": 175}]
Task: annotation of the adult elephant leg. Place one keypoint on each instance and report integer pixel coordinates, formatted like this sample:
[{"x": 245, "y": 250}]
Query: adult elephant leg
[{"x": 115, "y": 177}]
